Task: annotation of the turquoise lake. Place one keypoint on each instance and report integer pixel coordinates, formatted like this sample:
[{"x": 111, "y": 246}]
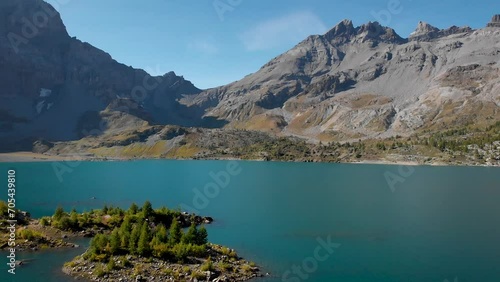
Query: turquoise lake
[{"x": 433, "y": 224}]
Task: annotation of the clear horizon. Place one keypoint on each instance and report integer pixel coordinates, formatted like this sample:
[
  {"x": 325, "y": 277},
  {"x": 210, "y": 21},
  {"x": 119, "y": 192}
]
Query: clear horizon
[{"x": 216, "y": 42}]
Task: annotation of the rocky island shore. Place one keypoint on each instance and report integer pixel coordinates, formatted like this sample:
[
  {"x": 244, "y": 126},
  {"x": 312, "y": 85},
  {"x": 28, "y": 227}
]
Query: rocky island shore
[
  {"x": 138, "y": 244},
  {"x": 223, "y": 264}
]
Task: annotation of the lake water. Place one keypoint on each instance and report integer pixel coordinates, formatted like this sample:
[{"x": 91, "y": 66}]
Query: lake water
[{"x": 433, "y": 224}]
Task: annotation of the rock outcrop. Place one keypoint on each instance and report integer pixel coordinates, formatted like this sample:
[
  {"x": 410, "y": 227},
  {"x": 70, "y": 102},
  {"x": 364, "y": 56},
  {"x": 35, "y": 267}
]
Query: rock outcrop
[
  {"x": 427, "y": 32},
  {"x": 345, "y": 32},
  {"x": 495, "y": 21}
]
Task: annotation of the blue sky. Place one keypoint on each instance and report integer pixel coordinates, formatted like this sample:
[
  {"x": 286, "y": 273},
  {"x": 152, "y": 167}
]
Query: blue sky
[{"x": 214, "y": 42}]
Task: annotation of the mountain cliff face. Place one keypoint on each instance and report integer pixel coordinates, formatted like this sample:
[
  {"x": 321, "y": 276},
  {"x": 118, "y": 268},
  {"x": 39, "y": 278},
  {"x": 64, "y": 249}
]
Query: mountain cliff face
[
  {"x": 51, "y": 84},
  {"x": 349, "y": 83},
  {"x": 367, "y": 81}
]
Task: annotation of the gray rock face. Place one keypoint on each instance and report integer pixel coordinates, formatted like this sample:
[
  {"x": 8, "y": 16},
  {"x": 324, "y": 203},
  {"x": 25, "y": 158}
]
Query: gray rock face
[
  {"x": 427, "y": 32},
  {"x": 367, "y": 82},
  {"x": 357, "y": 82},
  {"x": 342, "y": 32},
  {"x": 345, "y": 32},
  {"x": 49, "y": 78},
  {"x": 495, "y": 21}
]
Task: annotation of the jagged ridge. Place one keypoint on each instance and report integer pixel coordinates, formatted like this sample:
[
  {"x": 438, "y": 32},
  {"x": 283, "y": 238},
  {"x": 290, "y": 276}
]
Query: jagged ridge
[
  {"x": 350, "y": 83},
  {"x": 366, "y": 81}
]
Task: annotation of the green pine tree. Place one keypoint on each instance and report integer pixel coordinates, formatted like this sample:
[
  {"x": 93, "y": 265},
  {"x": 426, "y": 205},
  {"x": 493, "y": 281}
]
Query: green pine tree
[
  {"x": 126, "y": 225},
  {"x": 73, "y": 219},
  {"x": 162, "y": 234},
  {"x": 155, "y": 242},
  {"x": 125, "y": 230},
  {"x": 125, "y": 239},
  {"x": 133, "y": 209},
  {"x": 115, "y": 241},
  {"x": 143, "y": 247},
  {"x": 147, "y": 209},
  {"x": 134, "y": 238},
  {"x": 83, "y": 220},
  {"x": 59, "y": 213},
  {"x": 190, "y": 236},
  {"x": 202, "y": 236},
  {"x": 175, "y": 233},
  {"x": 99, "y": 244}
]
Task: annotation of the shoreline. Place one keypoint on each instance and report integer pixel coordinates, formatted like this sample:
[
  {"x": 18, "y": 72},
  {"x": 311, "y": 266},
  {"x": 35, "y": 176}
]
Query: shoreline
[
  {"x": 51, "y": 238},
  {"x": 116, "y": 254},
  {"x": 29, "y": 157},
  {"x": 219, "y": 266}
]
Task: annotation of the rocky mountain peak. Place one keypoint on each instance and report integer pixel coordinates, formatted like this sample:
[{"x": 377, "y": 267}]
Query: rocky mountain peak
[
  {"x": 170, "y": 74},
  {"x": 427, "y": 32},
  {"x": 373, "y": 27},
  {"x": 342, "y": 31},
  {"x": 375, "y": 31},
  {"x": 425, "y": 28},
  {"x": 495, "y": 21},
  {"x": 37, "y": 16},
  {"x": 345, "y": 32},
  {"x": 455, "y": 30}
]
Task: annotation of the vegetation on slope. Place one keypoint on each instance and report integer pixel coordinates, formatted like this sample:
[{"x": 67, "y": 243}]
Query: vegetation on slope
[{"x": 465, "y": 145}]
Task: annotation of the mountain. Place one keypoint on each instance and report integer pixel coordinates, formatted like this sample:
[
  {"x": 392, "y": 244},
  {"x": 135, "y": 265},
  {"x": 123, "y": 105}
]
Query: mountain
[
  {"x": 368, "y": 82},
  {"x": 56, "y": 87}
]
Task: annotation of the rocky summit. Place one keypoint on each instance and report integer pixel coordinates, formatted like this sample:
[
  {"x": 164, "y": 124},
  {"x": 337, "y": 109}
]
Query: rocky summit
[
  {"x": 347, "y": 84},
  {"x": 495, "y": 21},
  {"x": 367, "y": 82},
  {"x": 427, "y": 32}
]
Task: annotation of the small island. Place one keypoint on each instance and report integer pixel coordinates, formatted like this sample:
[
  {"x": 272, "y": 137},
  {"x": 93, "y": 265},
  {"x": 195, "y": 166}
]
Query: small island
[{"x": 138, "y": 244}]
